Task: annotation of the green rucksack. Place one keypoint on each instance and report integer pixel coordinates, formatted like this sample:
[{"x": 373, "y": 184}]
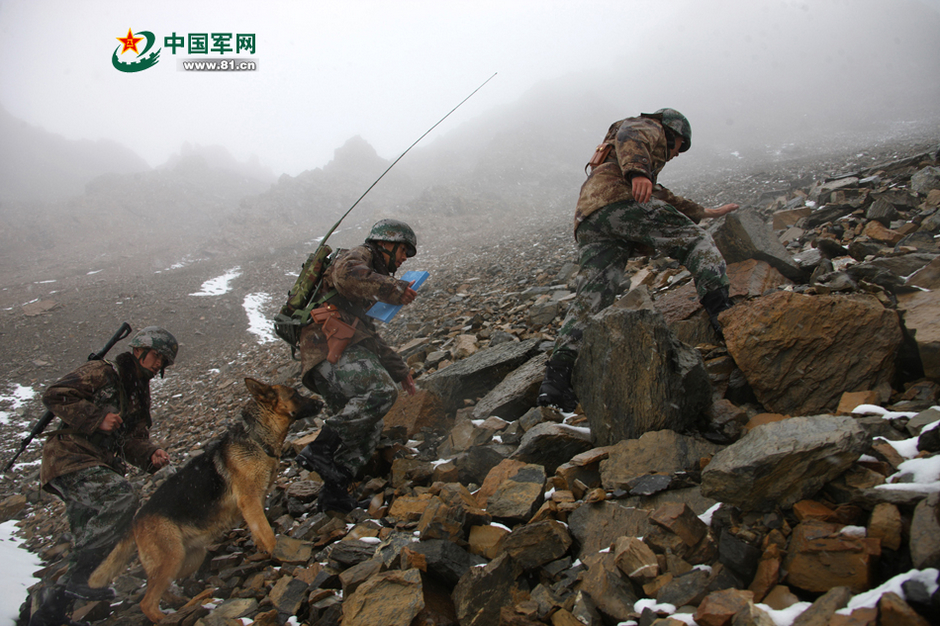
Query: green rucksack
[{"x": 302, "y": 297}]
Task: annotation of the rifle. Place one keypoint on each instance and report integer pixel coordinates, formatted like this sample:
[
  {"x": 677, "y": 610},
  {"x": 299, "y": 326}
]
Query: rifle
[{"x": 48, "y": 416}]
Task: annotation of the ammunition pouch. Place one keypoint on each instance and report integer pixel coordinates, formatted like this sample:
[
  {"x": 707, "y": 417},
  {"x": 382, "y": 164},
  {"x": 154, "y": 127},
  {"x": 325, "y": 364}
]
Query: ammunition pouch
[
  {"x": 338, "y": 333},
  {"x": 600, "y": 155}
]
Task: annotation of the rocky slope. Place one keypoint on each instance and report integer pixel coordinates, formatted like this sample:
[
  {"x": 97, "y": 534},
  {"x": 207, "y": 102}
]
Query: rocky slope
[{"x": 568, "y": 527}]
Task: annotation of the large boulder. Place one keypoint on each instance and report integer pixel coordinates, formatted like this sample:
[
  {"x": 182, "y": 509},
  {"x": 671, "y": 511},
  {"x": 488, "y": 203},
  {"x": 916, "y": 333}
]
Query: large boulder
[
  {"x": 633, "y": 376},
  {"x": 477, "y": 374},
  {"x": 783, "y": 462},
  {"x": 800, "y": 353}
]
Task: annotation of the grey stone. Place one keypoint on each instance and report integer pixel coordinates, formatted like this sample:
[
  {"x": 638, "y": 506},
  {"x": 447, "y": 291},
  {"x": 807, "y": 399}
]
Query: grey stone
[
  {"x": 783, "y": 462},
  {"x": 477, "y": 374},
  {"x": 515, "y": 394},
  {"x": 632, "y": 376},
  {"x": 925, "y": 533},
  {"x": 549, "y": 444},
  {"x": 746, "y": 235},
  {"x": 926, "y": 179}
]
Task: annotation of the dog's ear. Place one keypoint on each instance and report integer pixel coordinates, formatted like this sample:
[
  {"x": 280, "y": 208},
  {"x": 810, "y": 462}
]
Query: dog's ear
[{"x": 258, "y": 389}]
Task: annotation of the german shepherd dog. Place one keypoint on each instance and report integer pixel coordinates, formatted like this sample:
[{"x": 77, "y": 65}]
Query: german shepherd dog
[{"x": 209, "y": 495}]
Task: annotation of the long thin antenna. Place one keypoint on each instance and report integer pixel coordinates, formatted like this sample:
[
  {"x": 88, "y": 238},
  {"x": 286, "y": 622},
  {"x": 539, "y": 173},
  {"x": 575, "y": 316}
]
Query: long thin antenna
[{"x": 336, "y": 225}]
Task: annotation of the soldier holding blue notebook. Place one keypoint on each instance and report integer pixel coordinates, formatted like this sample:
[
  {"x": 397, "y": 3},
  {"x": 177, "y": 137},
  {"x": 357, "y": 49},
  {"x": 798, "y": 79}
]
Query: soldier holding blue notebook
[{"x": 344, "y": 359}]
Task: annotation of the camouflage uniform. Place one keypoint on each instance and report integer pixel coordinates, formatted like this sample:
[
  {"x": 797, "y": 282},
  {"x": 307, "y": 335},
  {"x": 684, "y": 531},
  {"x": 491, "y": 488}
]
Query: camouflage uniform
[
  {"x": 609, "y": 225},
  {"x": 85, "y": 466},
  {"x": 361, "y": 386}
]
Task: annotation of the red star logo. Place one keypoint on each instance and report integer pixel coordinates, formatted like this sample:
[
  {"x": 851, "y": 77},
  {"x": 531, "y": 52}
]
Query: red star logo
[{"x": 130, "y": 42}]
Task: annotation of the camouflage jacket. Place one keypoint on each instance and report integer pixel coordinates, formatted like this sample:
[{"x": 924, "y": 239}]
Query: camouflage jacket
[
  {"x": 639, "y": 148},
  {"x": 81, "y": 400},
  {"x": 360, "y": 278}
]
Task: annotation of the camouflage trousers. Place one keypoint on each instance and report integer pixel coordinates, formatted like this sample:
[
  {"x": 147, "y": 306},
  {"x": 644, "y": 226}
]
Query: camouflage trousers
[
  {"x": 359, "y": 392},
  {"x": 606, "y": 239},
  {"x": 100, "y": 505}
]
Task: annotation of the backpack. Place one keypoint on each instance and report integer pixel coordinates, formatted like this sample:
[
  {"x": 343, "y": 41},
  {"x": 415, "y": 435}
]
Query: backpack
[{"x": 302, "y": 297}]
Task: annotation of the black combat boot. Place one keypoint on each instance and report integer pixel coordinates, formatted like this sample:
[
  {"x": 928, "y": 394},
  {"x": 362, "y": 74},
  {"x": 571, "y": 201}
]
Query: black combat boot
[
  {"x": 76, "y": 583},
  {"x": 319, "y": 456},
  {"x": 556, "y": 387},
  {"x": 52, "y": 609},
  {"x": 715, "y": 302}
]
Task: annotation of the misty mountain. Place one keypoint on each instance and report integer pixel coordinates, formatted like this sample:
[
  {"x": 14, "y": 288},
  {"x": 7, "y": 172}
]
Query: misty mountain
[{"x": 36, "y": 165}]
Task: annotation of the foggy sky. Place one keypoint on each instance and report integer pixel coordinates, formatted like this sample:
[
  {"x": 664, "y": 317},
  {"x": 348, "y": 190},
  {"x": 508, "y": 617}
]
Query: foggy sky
[{"x": 388, "y": 70}]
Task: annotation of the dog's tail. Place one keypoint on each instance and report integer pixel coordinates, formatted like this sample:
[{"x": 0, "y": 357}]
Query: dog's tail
[{"x": 115, "y": 562}]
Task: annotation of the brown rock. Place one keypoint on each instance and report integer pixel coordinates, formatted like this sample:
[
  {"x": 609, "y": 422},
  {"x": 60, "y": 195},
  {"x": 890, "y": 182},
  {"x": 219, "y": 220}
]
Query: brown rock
[
  {"x": 858, "y": 617},
  {"x": 819, "y": 558},
  {"x": 392, "y": 598},
  {"x": 497, "y": 476},
  {"x": 484, "y": 539},
  {"x": 780, "y": 597},
  {"x": 781, "y": 463},
  {"x": 663, "y": 451},
  {"x": 893, "y": 610},
  {"x": 682, "y": 521},
  {"x": 824, "y": 607},
  {"x": 636, "y": 560},
  {"x": 768, "y": 573},
  {"x": 752, "y": 278},
  {"x": 483, "y": 591},
  {"x": 718, "y": 608},
  {"x": 752, "y": 615},
  {"x": 519, "y": 496},
  {"x": 534, "y": 545},
  {"x": 875, "y": 230},
  {"x": 850, "y": 400},
  {"x": 885, "y": 524},
  {"x": 441, "y": 521},
  {"x": 784, "y": 342},
  {"x": 609, "y": 590},
  {"x": 422, "y": 410},
  {"x": 810, "y": 509},
  {"x": 409, "y": 508}
]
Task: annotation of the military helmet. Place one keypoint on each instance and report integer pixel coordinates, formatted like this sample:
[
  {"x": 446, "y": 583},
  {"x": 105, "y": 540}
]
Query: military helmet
[
  {"x": 677, "y": 123},
  {"x": 397, "y": 232},
  {"x": 158, "y": 339}
]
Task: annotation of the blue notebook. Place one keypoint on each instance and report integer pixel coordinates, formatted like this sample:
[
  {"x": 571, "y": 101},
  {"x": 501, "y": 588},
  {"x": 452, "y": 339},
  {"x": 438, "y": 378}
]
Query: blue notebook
[{"x": 385, "y": 312}]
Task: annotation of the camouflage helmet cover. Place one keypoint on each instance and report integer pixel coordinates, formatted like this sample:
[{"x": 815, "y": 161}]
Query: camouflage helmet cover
[
  {"x": 397, "y": 232},
  {"x": 159, "y": 340},
  {"x": 677, "y": 123}
]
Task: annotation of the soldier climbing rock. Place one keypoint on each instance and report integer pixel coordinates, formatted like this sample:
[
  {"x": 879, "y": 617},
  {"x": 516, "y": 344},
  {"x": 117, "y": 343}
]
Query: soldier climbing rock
[{"x": 621, "y": 208}]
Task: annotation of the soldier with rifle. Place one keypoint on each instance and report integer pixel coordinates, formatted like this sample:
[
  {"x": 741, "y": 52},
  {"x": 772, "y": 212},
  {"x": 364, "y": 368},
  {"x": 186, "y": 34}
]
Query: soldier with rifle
[{"x": 104, "y": 408}]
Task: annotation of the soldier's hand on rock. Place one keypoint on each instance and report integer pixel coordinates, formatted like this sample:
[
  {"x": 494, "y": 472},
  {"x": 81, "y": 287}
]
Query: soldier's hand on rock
[
  {"x": 111, "y": 421},
  {"x": 722, "y": 210},
  {"x": 642, "y": 188}
]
